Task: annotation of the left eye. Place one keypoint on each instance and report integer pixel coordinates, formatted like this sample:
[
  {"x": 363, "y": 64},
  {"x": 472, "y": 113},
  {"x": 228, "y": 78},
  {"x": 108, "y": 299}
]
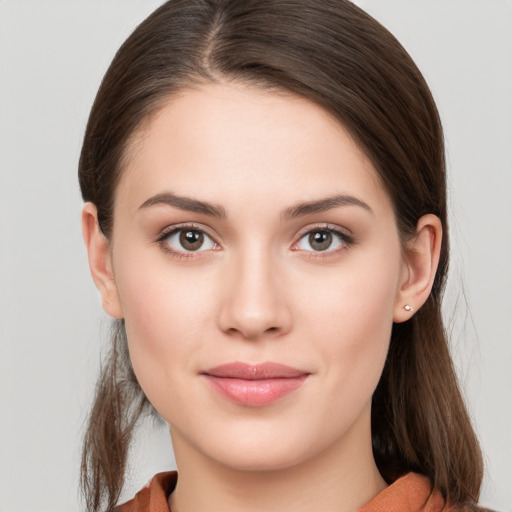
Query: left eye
[
  {"x": 189, "y": 240},
  {"x": 321, "y": 240}
]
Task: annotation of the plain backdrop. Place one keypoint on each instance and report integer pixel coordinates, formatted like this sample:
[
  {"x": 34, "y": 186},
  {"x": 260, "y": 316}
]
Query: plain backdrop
[{"x": 52, "y": 57}]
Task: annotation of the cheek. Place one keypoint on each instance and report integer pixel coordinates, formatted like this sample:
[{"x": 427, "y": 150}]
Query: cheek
[
  {"x": 165, "y": 315},
  {"x": 351, "y": 319}
]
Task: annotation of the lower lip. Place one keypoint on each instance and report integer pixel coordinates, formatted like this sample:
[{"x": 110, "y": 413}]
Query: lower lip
[{"x": 255, "y": 393}]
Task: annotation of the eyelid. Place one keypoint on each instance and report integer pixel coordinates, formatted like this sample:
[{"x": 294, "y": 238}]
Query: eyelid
[
  {"x": 325, "y": 226},
  {"x": 165, "y": 233},
  {"x": 193, "y": 226},
  {"x": 345, "y": 234}
]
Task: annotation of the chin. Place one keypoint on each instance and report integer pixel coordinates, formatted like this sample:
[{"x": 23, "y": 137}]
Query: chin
[
  {"x": 261, "y": 459},
  {"x": 264, "y": 449}
]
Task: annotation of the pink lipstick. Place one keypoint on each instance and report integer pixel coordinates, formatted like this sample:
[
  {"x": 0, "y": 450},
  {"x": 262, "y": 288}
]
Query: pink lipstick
[{"x": 254, "y": 385}]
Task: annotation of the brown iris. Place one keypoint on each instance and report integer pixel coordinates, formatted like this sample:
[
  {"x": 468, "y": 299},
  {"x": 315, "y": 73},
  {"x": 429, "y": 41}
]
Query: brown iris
[
  {"x": 191, "y": 240},
  {"x": 320, "y": 240}
]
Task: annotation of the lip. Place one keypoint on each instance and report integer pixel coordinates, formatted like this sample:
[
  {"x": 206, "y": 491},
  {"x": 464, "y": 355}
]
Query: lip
[{"x": 255, "y": 385}]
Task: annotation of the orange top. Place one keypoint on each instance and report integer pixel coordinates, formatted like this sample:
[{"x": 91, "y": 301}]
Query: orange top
[{"x": 410, "y": 493}]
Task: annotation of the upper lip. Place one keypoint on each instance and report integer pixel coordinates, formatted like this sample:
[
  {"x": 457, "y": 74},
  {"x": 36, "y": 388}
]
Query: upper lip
[{"x": 261, "y": 371}]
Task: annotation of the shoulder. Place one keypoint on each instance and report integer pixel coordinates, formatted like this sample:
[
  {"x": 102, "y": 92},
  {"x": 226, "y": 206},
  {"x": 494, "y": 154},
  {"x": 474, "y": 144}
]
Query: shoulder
[
  {"x": 410, "y": 493},
  {"x": 153, "y": 497},
  {"x": 413, "y": 493}
]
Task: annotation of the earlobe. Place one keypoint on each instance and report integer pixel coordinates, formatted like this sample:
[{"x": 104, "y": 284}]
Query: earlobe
[
  {"x": 100, "y": 261},
  {"x": 420, "y": 265}
]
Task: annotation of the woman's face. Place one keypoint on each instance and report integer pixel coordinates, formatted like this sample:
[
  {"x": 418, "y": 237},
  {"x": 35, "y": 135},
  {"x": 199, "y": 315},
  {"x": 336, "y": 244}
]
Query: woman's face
[{"x": 249, "y": 229}]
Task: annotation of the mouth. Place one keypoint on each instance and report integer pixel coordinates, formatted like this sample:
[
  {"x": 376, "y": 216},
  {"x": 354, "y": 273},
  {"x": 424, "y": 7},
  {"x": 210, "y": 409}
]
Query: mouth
[{"x": 255, "y": 385}]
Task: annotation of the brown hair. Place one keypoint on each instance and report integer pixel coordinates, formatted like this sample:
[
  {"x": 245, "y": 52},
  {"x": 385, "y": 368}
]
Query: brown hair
[{"x": 337, "y": 56}]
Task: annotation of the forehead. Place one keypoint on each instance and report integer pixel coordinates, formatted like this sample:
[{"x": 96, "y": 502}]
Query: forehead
[{"x": 223, "y": 142}]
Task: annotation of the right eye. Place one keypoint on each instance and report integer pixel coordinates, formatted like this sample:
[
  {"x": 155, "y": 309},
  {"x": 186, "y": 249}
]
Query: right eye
[{"x": 187, "y": 240}]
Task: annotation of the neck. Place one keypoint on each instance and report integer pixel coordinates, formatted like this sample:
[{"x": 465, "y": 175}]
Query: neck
[{"x": 342, "y": 478}]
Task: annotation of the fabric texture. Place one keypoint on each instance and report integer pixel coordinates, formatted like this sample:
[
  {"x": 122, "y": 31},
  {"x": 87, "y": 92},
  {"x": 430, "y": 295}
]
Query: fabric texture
[{"x": 410, "y": 493}]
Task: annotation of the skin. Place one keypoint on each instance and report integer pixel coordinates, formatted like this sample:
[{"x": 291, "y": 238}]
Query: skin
[{"x": 257, "y": 291}]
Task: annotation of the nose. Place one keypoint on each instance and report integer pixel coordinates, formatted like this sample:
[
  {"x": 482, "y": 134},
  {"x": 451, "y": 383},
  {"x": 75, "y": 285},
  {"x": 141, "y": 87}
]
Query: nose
[{"x": 254, "y": 301}]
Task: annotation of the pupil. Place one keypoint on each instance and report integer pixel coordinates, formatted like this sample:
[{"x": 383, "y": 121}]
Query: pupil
[
  {"x": 191, "y": 240},
  {"x": 321, "y": 240}
]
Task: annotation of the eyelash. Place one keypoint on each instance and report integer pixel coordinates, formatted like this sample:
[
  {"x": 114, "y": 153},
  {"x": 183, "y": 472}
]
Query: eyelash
[
  {"x": 345, "y": 241},
  {"x": 182, "y": 255}
]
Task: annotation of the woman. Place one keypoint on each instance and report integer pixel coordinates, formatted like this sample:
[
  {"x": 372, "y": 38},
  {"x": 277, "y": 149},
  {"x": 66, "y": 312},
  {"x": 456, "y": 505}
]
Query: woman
[{"x": 265, "y": 219}]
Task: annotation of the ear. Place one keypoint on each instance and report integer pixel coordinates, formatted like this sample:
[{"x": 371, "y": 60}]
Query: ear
[
  {"x": 421, "y": 259},
  {"x": 100, "y": 261}
]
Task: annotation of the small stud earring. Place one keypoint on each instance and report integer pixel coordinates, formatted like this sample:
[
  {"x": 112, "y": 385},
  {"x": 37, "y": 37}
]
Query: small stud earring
[{"x": 408, "y": 307}]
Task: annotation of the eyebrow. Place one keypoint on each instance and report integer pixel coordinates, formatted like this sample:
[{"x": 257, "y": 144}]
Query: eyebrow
[
  {"x": 298, "y": 210},
  {"x": 323, "y": 205},
  {"x": 185, "y": 203}
]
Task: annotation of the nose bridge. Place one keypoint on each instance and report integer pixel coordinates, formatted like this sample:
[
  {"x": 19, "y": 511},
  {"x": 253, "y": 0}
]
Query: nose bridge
[{"x": 254, "y": 302}]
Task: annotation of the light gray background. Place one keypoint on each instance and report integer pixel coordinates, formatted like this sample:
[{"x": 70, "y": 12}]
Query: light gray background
[{"x": 52, "y": 57}]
